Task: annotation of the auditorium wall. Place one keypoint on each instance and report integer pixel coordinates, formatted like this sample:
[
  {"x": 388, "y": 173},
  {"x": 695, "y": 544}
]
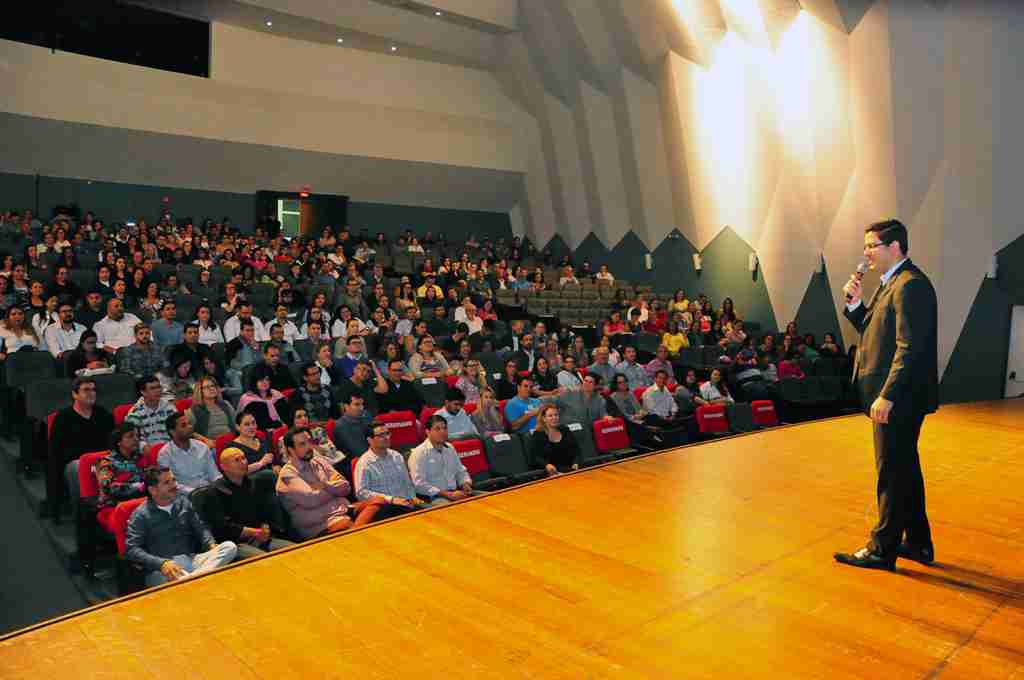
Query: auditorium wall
[
  {"x": 404, "y": 131},
  {"x": 793, "y": 128}
]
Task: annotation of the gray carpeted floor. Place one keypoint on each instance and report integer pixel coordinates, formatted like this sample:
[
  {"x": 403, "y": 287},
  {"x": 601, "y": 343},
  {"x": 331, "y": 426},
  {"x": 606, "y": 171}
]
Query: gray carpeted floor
[{"x": 34, "y": 586}]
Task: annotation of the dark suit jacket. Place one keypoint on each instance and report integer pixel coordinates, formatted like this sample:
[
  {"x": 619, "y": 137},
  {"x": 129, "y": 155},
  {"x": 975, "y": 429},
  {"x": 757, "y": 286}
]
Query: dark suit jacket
[{"x": 897, "y": 356}]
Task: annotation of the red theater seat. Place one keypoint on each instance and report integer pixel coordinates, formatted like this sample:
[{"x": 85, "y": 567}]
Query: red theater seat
[
  {"x": 119, "y": 521},
  {"x": 764, "y": 413},
  {"x": 403, "y": 426},
  {"x": 120, "y": 412},
  {"x": 474, "y": 458},
  {"x": 711, "y": 420},
  {"x": 183, "y": 405},
  {"x": 611, "y": 437}
]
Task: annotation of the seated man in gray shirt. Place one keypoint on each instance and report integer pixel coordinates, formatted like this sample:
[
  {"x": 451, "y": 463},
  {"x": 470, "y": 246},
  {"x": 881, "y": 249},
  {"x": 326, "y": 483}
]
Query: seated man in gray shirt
[
  {"x": 437, "y": 472},
  {"x": 165, "y": 535},
  {"x": 584, "y": 404},
  {"x": 602, "y": 366}
]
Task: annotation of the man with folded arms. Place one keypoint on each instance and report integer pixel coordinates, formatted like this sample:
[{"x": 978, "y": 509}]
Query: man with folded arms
[
  {"x": 314, "y": 494},
  {"x": 165, "y": 534},
  {"x": 437, "y": 472}
]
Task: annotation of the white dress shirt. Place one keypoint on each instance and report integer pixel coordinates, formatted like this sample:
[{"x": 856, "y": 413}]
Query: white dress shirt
[
  {"x": 116, "y": 334},
  {"x": 59, "y": 340},
  {"x": 883, "y": 279},
  {"x": 436, "y": 469},
  {"x": 233, "y": 325}
]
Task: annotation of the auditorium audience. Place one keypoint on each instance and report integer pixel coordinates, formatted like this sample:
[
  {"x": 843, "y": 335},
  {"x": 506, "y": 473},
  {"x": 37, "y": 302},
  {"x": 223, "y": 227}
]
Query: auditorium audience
[
  {"x": 211, "y": 416},
  {"x": 258, "y": 452},
  {"x": 487, "y": 417},
  {"x": 458, "y": 423},
  {"x": 381, "y": 474},
  {"x": 118, "y": 474},
  {"x": 583, "y": 404},
  {"x": 150, "y": 412},
  {"x": 80, "y": 428},
  {"x": 715, "y": 391},
  {"x": 521, "y": 410},
  {"x": 552, "y": 447},
  {"x": 189, "y": 459},
  {"x": 118, "y": 329},
  {"x": 238, "y": 507},
  {"x": 436, "y": 470},
  {"x": 165, "y": 534}
]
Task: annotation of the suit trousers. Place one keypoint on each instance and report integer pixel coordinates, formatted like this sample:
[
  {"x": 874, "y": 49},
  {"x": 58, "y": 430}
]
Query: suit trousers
[{"x": 900, "y": 489}]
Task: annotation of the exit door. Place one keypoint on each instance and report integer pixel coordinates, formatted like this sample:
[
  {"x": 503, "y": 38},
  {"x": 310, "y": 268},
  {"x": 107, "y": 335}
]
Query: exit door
[{"x": 1015, "y": 359}]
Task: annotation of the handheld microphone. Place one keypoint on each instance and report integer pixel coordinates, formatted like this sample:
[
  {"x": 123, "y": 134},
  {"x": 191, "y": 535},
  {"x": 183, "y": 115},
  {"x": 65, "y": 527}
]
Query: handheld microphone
[{"x": 862, "y": 269}]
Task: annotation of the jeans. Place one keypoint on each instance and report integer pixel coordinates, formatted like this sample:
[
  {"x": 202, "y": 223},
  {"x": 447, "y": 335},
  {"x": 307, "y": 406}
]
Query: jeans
[
  {"x": 199, "y": 563},
  {"x": 247, "y": 550}
]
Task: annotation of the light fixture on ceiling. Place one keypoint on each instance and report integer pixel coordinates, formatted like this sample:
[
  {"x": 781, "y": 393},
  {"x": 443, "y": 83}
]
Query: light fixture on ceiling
[
  {"x": 269, "y": 23},
  {"x": 341, "y": 40},
  {"x": 394, "y": 48},
  {"x": 437, "y": 13}
]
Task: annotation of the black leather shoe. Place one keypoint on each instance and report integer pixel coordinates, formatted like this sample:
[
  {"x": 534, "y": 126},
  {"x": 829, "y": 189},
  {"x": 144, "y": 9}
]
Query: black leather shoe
[
  {"x": 866, "y": 559},
  {"x": 924, "y": 554}
]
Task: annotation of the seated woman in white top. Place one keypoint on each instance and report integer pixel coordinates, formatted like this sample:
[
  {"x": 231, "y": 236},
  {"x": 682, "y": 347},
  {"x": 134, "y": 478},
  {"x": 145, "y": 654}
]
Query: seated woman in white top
[
  {"x": 16, "y": 333},
  {"x": 604, "y": 275},
  {"x": 715, "y": 391},
  {"x": 209, "y": 332},
  {"x": 567, "y": 278}
]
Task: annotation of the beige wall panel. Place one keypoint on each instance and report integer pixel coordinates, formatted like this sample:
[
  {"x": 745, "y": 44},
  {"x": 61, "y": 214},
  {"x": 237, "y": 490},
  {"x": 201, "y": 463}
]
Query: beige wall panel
[
  {"x": 160, "y": 101},
  {"x": 918, "y": 45},
  {"x": 645, "y": 126},
  {"x": 787, "y": 256},
  {"x": 570, "y": 172},
  {"x": 266, "y": 61},
  {"x": 540, "y": 214},
  {"x": 675, "y": 144},
  {"x": 496, "y": 12},
  {"x": 607, "y": 165}
]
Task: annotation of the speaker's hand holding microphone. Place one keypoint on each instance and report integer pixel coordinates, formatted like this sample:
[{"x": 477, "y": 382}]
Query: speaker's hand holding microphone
[{"x": 852, "y": 287}]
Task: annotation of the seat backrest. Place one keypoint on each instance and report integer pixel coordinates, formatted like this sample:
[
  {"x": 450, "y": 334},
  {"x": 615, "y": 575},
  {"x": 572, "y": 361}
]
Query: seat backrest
[
  {"x": 741, "y": 417},
  {"x": 711, "y": 419},
  {"x": 506, "y": 455},
  {"x": 114, "y": 389},
  {"x": 764, "y": 413},
  {"x": 792, "y": 390},
  {"x": 22, "y": 368},
  {"x": 119, "y": 522},
  {"x": 831, "y": 387},
  {"x": 425, "y": 415},
  {"x": 182, "y": 405},
  {"x": 474, "y": 459},
  {"x": 44, "y": 397},
  {"x": 276, "y": 435},
  {"x": 639, "y": 394},
  {"x": 610, "y": 434},
  {"x": 120, "y": 412},
  {"x": 583, "y": 433},
  {"x": 403, "y": 428},
  {"x": 88, "y": 486},
  {"x": 151, "y": 454},
  {"x": 431, "y": 390},
  {"x": 222, "y": 442}
]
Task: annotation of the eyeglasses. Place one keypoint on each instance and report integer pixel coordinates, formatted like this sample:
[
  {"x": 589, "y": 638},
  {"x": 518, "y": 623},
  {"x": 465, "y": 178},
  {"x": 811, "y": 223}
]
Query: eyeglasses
[
  {"x": 385, "y": 433},
  {"x": 872, "y": 246}
]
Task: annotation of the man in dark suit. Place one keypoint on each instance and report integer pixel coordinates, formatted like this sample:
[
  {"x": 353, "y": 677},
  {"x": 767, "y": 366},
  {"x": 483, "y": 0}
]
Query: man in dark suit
[{"x": 896, "y": 374}]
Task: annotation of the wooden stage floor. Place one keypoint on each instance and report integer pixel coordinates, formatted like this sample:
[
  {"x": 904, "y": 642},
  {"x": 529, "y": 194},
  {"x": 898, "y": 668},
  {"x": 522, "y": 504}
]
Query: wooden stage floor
[{"x": 713, "y": 561}]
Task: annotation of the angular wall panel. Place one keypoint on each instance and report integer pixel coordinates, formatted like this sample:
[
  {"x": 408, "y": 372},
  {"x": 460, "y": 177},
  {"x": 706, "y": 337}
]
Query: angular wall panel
[
  {"x": 614, "y": 217},
  {"x": 645, "y": 126},
  {"x": 570, "y": 171}
]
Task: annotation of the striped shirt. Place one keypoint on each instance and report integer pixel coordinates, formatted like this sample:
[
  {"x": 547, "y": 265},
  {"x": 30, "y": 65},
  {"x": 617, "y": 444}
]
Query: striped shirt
[
  {"x": 384, "y": 475},
  {"x": 151, "y": 422}
]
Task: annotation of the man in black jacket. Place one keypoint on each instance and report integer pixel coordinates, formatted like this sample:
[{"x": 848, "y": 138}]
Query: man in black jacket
[
  {"x": 896, "y": 374},
  {"x": 239, "y": 507}
]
